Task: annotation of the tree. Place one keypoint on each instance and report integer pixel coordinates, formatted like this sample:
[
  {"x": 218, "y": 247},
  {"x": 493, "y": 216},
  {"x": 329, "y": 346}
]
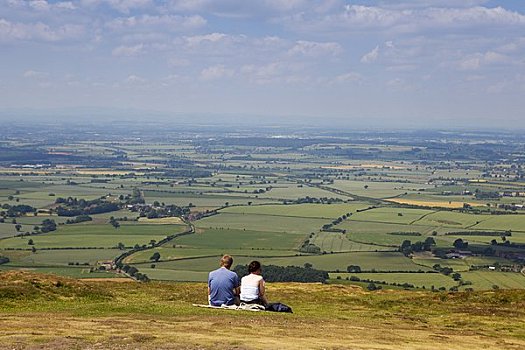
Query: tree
[
  {"x": 30, "y": 242},
  {"x": 121, "y": 246},
  {"x": 460, "y": 244},
  {"x": 18, "y": 227},
  {"x": 353, "y": 268},
  {"x": 33, "y": 249},
  {"x": 155, "y": 257}
]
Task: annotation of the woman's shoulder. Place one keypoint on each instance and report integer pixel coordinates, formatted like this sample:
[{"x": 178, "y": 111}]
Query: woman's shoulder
[{"x": 252, "y": 277}]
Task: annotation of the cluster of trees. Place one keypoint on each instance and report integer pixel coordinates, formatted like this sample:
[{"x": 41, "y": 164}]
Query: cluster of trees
[
  {"x": 307, "y": 199},
  {"x": 48, "y": 225},
  {"x": 444, "y": 270},
  {"x": 376, "y": 285},
  {"x": 274, "y": 273},
  {"x": 13, "y": 211},
  {"x": 414, "y": 234},
  {"x": 153, "y": 212},
  {"x": 407, "y": 247},
  {"x": 480, "y": 233},
  {"x": 4, "y": 260},
  {"x": 330, "y": 227},
  {"x": 75, "y": 207},
  {"x": 79, "y": 219},
  {"x": 134, "y": 272},
  {"x": 487, "y": 194},
  {"x": 136, "y": 197},
  {"x": 308, "y": 247}
]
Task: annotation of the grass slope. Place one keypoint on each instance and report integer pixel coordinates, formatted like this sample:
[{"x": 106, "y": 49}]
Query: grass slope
[{"x": 48, "y": 312}]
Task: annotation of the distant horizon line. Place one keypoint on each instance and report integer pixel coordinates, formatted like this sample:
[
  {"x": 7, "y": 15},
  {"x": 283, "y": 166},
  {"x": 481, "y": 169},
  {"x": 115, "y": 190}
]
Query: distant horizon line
[{"x": 89, "y": 115}]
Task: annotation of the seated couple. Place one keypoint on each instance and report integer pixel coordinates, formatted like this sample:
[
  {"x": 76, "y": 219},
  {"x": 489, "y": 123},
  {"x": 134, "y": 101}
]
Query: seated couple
[{"x": 224, "y": 287}]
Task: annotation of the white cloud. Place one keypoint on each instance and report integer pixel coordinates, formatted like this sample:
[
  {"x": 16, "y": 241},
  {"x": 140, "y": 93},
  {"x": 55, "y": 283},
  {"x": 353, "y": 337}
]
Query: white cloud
[
  {"x": 32, "y": 74},
  {"x": 128, "y": 50},
  {"x": 348, "y": 77},
  {"x": 312, "y": 48},
  {"x": 124, "y": 6},
  {"x": 407, "y": 19},
  {"x": 212, "y": 38},
  {"x": 371, "y": 56},
  {"x": 274, "y": 72},
  {"x": 38, "y": 31},
  {"x": 169, "y": 22},
  {"x": 216, "y": 72},
  {"x": 134, "y": 79},
  {"x": 477, "y": 60}
]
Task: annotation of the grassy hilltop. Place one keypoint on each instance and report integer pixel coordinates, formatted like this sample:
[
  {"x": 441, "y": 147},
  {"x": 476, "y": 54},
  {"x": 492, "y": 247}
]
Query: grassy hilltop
[{"x": 45, "y": 311}]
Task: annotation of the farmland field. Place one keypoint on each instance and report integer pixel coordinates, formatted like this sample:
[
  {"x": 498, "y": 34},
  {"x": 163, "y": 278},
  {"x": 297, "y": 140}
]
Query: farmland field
[{"x": 326, "y": 201}]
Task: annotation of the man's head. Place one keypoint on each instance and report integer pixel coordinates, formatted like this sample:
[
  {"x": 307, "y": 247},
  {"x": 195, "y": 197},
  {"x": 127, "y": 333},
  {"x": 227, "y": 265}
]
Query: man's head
[{"x": 226, "y": 261}]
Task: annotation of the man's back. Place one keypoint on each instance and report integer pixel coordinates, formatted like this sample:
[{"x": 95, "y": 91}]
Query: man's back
[{"x": 221, "y": 283}]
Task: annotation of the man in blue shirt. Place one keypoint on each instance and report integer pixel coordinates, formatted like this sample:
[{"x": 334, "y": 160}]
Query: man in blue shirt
[{"x": 223, "y": 284}]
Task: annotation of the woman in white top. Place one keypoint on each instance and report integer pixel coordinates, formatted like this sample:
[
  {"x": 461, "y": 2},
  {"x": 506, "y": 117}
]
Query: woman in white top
[{"x": 252, "y": 286}]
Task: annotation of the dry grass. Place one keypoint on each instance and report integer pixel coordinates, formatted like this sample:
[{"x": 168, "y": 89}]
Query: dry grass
[
  {"x": 442, "y": 204},
  {"x": 107, "y": 315},
  {"x": 162, "y": 221}
]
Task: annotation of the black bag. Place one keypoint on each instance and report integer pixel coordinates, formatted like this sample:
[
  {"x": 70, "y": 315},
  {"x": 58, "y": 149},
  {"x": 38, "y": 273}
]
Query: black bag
[{"x": 278, "y": 307}]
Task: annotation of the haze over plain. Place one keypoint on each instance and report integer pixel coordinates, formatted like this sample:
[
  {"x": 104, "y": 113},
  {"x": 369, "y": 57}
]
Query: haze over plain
[{"x": 432, "y": 63}]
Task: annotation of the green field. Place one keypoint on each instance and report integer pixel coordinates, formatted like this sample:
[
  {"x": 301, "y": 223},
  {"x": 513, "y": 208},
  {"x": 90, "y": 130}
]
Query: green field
[
  {"x": 262, "y": 223},
  {"x": 98, "y": 236},
  {"x": 59, "y": 257},
  {"x": 322, "y": 211},
  {"x": 240, "y": 239},
  {"x": 488, "y": 279},
  {"x": 419, "y": 280}
]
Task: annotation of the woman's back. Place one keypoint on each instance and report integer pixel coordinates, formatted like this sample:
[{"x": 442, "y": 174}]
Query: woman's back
[{"x": 250, "y": 287}]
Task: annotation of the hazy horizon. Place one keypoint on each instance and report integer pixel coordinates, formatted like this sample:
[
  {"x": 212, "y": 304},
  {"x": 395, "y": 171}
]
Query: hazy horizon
[{"x": 433, "y": 64}]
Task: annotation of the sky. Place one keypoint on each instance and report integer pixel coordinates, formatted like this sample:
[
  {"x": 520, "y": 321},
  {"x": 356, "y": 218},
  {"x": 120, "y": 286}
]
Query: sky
[{"x": 408, "y": 63}]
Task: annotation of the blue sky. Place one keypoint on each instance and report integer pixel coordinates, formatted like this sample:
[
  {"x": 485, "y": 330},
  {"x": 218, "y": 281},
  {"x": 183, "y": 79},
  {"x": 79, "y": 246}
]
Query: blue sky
[{"x": 443, "y": 63}]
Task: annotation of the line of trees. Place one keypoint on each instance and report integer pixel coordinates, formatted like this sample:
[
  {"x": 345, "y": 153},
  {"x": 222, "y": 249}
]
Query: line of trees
[{"x": 273, "y": 273}]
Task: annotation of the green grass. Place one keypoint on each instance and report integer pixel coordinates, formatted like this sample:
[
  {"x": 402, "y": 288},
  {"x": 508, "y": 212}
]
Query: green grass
[
  {"x": 73, "y": 272},
  {"x": 262, "y": 223},
  {"x": 323, "y": 211},
  {"x": 420, "y": 280},
  {"x": 174, "y": 275},
  {"x": 390, "y": 215},
  {"x": 487, "y": 279},
  {"x": 99, "y": 236},
  {"x": 59, "y": 257},
  {"x": 381, "y": 261},
  {"x": 377, "y": 189},
  {"x": 240, "y": 239},
  {"x": 339, "y": 242},
  {"x": 503, "y": 222},
  {"x": 169, "y": 253},
  {"x": 453, "y": 220}
]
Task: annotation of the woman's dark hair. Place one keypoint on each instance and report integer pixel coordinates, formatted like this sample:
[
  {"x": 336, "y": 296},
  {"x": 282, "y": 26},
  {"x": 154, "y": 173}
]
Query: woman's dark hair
[{"x": 254, "y": 266}]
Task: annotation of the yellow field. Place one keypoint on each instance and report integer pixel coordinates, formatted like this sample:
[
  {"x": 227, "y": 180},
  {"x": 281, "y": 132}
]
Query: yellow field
[
  {"x": 162, "y": 221},
  {"x": 369, "y": 166},
  {"x": 443, "y": 204},
  {"x": 105, "y": 172}
]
